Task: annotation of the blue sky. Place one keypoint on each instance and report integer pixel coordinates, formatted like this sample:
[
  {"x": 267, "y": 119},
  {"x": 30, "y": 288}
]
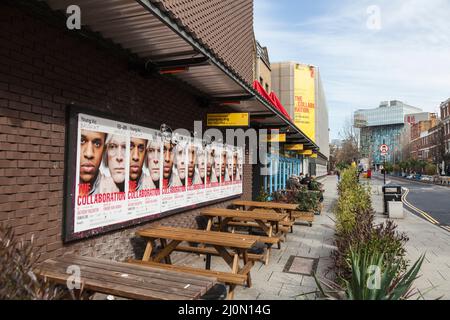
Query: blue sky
[{"x": 405, "y": 57}]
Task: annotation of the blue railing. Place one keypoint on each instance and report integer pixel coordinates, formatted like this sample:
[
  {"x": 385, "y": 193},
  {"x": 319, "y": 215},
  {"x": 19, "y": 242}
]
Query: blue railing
[{"x": 280, "y": 169}]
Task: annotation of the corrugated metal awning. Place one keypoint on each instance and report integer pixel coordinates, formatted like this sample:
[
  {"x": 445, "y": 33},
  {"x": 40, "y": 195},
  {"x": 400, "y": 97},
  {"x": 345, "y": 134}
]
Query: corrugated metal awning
[{"x": 141, "y": 27}]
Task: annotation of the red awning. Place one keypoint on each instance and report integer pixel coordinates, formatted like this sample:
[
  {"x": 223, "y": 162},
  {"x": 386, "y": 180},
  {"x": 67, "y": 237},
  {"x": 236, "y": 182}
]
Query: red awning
[
  {"x": 272, "y": 98},
  {"x": 279, "y": 105}
]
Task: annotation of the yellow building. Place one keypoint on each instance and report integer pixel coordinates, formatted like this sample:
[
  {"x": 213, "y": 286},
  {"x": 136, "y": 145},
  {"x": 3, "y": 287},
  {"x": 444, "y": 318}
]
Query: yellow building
[{"x": 300, "y": 90}]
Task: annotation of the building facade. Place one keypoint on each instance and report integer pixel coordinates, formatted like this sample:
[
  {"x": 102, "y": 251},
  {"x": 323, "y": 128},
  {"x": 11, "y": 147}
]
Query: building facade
[
  {"x": 382, "y": 125},
  {"x": 148, "y": 64},
  {"x": 263, "y": 71},
  {"x": 445, "y": 117},
  {"x": 420, "y": 137},
  {"x": 302, "y": 93}
]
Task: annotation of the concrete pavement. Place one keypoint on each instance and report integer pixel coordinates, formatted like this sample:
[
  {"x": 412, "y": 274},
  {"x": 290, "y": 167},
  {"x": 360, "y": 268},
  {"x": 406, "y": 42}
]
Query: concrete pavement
[
  {"x": 271, "y": 282},
  {"x": 427, "y": 238}
]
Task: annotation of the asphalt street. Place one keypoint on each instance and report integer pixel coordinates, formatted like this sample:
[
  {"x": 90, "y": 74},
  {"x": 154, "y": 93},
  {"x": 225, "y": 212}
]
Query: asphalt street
[{"x": 432, "y": 199}]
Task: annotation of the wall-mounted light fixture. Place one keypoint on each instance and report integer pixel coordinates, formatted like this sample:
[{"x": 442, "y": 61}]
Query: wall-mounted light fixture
[{"x": 173, "y": 70}]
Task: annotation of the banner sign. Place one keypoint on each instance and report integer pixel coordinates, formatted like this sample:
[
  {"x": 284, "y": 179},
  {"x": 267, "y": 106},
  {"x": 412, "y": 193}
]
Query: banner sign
[
  {"x": 227, "y": 120},
  {"x": 122, "y": 174},
  {"x": 294, "y": 147},
  {"x": 281, "y": 137},
  {"x": 304, "y": 99},
  {"x": 306, "y": 152}
]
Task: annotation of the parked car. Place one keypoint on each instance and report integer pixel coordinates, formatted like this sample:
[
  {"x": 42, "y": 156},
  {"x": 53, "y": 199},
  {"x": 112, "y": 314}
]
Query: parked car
[{"x": 427, "y": 178}]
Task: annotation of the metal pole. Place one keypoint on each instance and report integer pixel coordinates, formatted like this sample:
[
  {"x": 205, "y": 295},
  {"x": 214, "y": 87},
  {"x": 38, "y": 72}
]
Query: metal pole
[{"x": 384, "y": 165}]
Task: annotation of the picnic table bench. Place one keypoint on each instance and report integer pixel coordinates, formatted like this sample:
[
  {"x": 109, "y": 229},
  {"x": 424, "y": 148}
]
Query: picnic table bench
[
  {"x": 126, "y": 280},
  {"x": 229, "y": 246},
  {"x": 266, "y": 221},
  {"x": 290, "y": 209}
]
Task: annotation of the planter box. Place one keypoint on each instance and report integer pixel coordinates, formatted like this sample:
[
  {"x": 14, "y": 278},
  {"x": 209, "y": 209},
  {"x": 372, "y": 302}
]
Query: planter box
[{"x": 395, "y": 210}]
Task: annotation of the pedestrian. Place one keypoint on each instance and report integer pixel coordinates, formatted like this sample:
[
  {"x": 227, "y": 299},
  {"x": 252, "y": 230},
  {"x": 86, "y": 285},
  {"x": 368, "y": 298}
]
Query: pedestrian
[{"x": 338, "y": 175}]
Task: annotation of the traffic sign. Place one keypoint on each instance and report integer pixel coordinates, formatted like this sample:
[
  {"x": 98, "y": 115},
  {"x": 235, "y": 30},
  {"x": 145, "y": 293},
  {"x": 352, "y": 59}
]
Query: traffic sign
[{"x": 384, "y": 148}]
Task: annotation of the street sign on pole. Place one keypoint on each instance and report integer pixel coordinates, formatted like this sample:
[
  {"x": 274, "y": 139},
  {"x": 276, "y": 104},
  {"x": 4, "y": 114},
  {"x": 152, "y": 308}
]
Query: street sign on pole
[{"x": 384, "y": 148}]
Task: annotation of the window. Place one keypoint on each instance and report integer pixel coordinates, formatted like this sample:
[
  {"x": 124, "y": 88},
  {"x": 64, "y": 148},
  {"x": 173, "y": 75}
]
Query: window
[
  {"x": 267, "y": 87},
  {"x": 261, "y": 80}
]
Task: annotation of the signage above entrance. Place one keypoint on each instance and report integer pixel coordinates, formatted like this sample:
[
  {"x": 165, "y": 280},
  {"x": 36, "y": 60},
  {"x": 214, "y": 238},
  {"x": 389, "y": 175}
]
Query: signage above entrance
[
  {"x": 227, "y": 120},
  {"x": 276, "y": 138},
  {"x": 294, "y": 147},
  {"x": 306, "y": 152}
]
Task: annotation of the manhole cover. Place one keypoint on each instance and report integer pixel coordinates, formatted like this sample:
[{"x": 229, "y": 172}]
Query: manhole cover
[{"x": 301, "y": 265}]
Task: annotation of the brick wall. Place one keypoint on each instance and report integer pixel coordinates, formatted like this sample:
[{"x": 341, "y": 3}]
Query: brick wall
[{"x": 43, "y": 68}]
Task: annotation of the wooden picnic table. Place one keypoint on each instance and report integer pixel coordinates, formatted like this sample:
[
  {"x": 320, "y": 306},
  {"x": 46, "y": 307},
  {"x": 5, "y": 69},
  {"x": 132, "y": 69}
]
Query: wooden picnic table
[
  {"x": 127, "y": 280},
  {"x": 290, "y": 209},
  {"x": 278, "y": 207},
  {"x": 171, "y": 237},
  {"x": 260, "y": 218},
  {"x": 266, "y": 221}
]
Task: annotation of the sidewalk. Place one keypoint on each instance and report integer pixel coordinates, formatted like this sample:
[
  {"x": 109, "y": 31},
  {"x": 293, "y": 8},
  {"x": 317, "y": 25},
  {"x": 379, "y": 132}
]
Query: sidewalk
[
  {"x": 271, "y": 283},
  {"x": 424, "y": 237},
  {"x": 284, "y": 277}
]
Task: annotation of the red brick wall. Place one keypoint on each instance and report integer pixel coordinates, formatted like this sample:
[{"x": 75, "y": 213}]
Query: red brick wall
[{"x": 43, "y": 68}]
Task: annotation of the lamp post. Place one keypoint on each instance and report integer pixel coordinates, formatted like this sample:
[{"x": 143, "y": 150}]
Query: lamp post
[{"x": 384, "y": 165}]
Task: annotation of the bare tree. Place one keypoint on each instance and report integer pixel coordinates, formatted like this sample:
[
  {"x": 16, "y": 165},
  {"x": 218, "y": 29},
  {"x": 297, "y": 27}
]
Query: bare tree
[{"x": 350, "y": 144}]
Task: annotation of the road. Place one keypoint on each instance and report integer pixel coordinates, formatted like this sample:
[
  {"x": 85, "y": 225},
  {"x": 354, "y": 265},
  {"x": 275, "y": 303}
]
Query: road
[{"x": 431, "y": 202}]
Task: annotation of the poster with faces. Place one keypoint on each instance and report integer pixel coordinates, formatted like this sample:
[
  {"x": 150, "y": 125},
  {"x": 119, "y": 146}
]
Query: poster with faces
[
  {"x": 126, "y": 172},
  {"x": 174, "y": 173},
  {"x": 144, "y": 172},
  {"x": 101, "y": 181},
  {"x": 196, "y": 183},
  {"x": 238, "y": 168}
]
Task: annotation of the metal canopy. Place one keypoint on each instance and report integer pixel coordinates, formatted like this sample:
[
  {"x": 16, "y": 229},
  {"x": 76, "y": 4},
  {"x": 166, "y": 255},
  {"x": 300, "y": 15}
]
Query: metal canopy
[{"x": 148, "y": 32}]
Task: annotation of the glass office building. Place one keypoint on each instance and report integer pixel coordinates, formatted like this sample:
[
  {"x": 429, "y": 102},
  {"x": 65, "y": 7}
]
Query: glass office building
[{"x": 382, "y": 125}]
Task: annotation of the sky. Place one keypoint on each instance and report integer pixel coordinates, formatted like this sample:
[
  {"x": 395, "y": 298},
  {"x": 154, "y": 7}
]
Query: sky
[{"x": 367, "y": 51}]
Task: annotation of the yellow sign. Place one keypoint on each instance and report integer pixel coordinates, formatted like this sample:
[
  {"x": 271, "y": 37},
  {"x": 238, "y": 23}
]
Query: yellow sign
[
  {"x": 306, "y": 152},
  {"x": 276, "y": 138},
  {"x": 314, "y": 156},
  {"x": 304, "y": 99},
  {"x": 227, "y": 120},
  {"x": 293, "y": 147}
]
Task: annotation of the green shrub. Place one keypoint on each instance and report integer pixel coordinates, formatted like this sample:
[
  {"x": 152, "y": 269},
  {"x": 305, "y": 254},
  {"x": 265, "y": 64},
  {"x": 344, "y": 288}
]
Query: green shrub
[
  {"x": 306, "y": 200},
  {"x": 263, "y": 195},
  {"x": 354, "y": 199},
  {"x": 430, "y": 169},
  {"x": 355, "y": 228},
  {"x": 315, "y": 185},
  {"x": 17, "y": 278},
  {"x": 373, "y": 279}
]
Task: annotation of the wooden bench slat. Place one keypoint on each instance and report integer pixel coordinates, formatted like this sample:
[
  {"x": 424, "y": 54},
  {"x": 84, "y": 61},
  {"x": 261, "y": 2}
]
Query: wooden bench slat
[
  {"x": 207, "y": 237},
  {"x": 166, "y": 278},
  {"x": 270, "y": 205},
  {"x": 254, "y": 225},
  {"x": 117, "y": 266},
  {"x": 250, "y": 215},
  {"x": 225, "y": 277},
  {"x": 98, "y": 285},
  {"x": 212, "y": 251},
  {"x": 139, "y": 283},
  {"x": 263, "y": 239}
]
